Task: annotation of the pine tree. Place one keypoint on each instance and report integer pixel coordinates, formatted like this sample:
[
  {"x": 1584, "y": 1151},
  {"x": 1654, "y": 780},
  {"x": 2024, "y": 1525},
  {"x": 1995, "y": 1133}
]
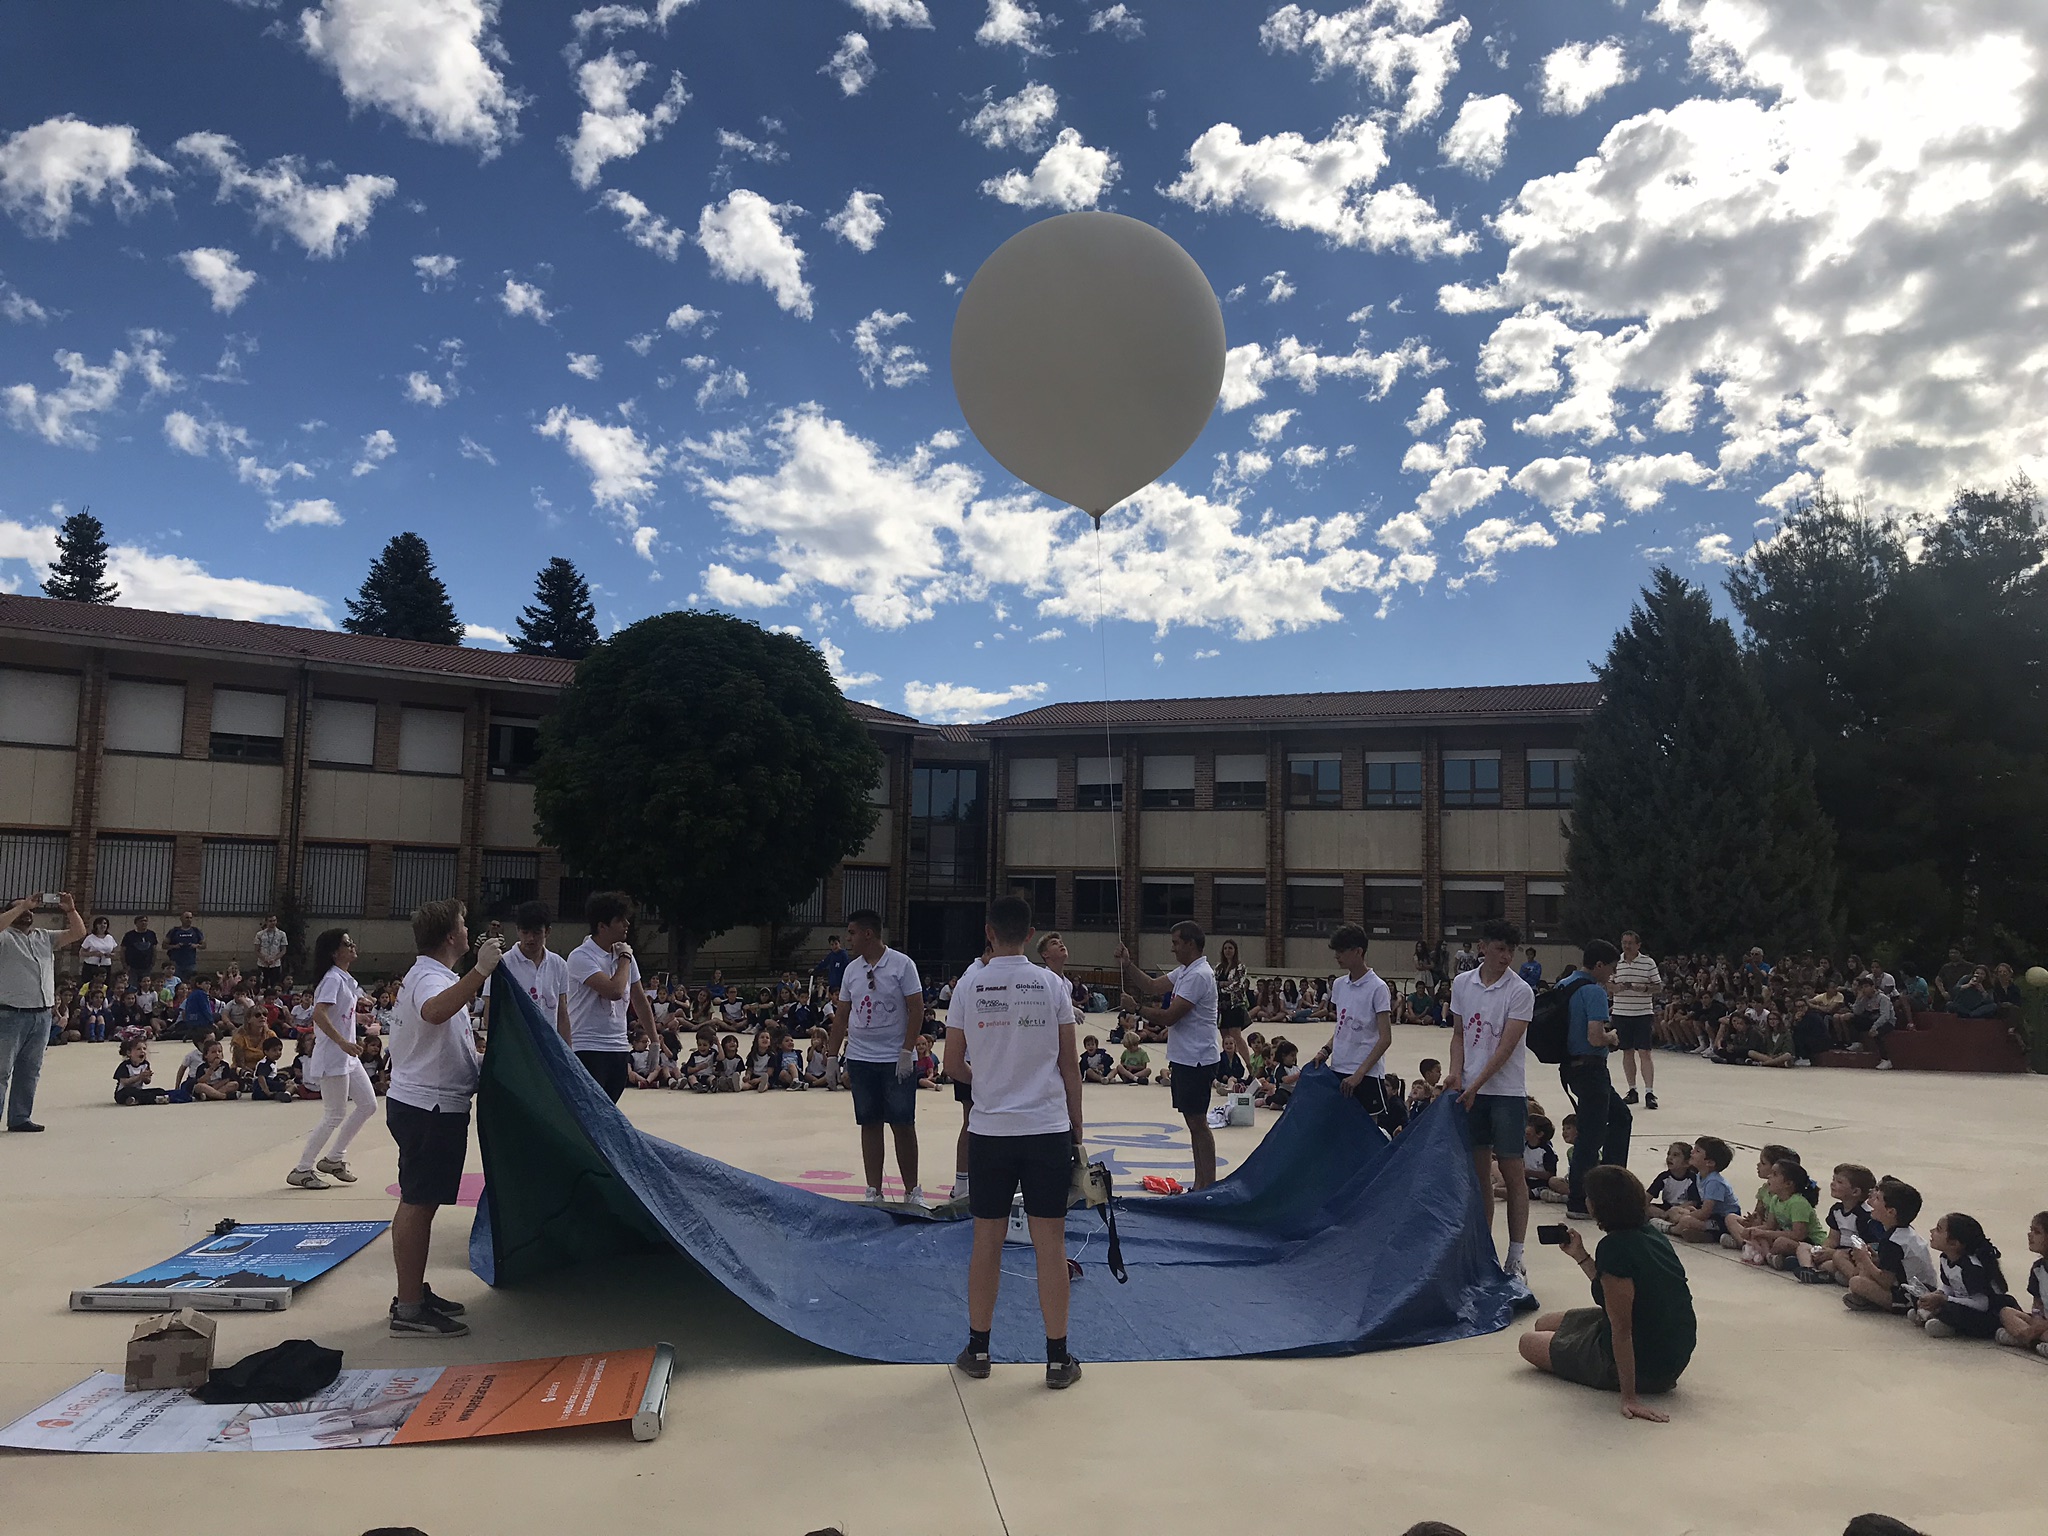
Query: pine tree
[
  {"x": 563, "y": 620},
  {"x": 1695, "y": 821},
  {"x": 80, "y": 574},
  {"x": 402, "y": 598}
]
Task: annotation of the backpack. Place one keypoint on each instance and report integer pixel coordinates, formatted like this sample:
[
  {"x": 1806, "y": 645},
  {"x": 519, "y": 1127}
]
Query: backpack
[{"x": 1550, "y": 1024}]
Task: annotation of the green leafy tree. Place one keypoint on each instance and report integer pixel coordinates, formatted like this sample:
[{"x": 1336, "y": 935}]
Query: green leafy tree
[
  {"x": 562, "y": 620},
  {"x": 709, "y": 768},
  {"x": 403, "y": 598},
  {"x": 1695, "y": 821},
  {"x": 80, "y": 574}
]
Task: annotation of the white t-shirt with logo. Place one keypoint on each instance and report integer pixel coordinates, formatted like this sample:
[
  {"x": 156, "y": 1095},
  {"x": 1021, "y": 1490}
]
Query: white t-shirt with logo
[
  {"x": 875, "y": 1016},
  {"x": 1195, "y": 1041},
  {"x": 1011, "y": 1012},
  {"x": 338, "y": 990},
  {"x": 545, "y": 981},
  {"x": 1359, "y": 1005},
  {"x": 596, "y": 1023},
  {"x": 1482, "y": 1014},
  {"x": 433, "y": 1066}
]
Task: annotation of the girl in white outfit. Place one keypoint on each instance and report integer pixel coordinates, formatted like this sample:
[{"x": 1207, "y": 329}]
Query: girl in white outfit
[{"x": 346, "y": 1094}]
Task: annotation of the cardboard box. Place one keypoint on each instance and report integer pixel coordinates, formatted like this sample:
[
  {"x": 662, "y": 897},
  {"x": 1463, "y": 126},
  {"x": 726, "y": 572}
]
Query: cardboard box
[{"x": 174, "y": 1349}]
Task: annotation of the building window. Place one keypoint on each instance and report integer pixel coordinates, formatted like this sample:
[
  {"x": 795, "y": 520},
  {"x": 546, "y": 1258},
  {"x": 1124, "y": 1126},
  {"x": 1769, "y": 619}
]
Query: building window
[
  {"x": 1468, "y": 904},
  {"x": 344, "y": 732},
  {"x": 1034, "y": 783},
  {"x": 1169, "y": 783},
  {"x": 247, "y": 727},
  {"x": 429, "y": 741},
  {"x": 1095, "y": 902},
  {"x": 1315, "y": 782},
  {"x": 1240, "y": 781},
  {"x": 1551, "y": 780},
  {"x": 1471, "y": 781},
  {"x": 38, "y": 709},
  {"x": 145, "y": 717},
  {"x": 235, "y": 876},
  {"x": 1099, "y": 783},
  {"x": 334, "y": 878},
  {"x": 1240, "y": 905},
  {"x": 508, "y": 880},
  {"x": 948, "y": 828},
  {"x": 1546, "y": 909},
  {"x": 811, "y": 910},
  {"x": 133, "y": 874},
  {"x": 1042, "y": 891},
  {"x": 32, "y": 861},
  {"x": 420, "y": 875},
  {"x": 1162, "y": 902},
  {"x": 864, "y": 890},
  {"x": 1315, "y": 908},
  {"x": 515, "y": 748},
  {"x": 1393, "y": 784},
  {"x": 1394, "y": 910}
]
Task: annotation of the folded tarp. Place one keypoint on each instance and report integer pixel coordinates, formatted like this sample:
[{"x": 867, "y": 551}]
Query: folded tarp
[{"x": 1327, "y": 1240}]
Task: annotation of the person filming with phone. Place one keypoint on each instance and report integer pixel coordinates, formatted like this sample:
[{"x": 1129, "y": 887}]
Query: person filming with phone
[
  {"x": 1639, "y": 1336},
  {"x": 28, "y": 991}
]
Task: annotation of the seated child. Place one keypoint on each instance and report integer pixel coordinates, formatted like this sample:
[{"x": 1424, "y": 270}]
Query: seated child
[
  {"x": 1231, "y": 1075},
  {"x": 214, "y": 1081},
  {"x": 1972, "y": 1291},
  {"x": 1789, "y": 1203},
  {"x": 1096, "y": 1065},
  {"x": 1850, "y": 1226},
  {"x": 732, "y": 1067},
  {"x": 1768, "y": 1155},
  {"x": 1432, "y": 1073},
  {"x": 1705, "y": 1218},
  {"x": 1677, "y": 1184},
  {"x": 1557, "y": 1188},
  {"x": 1732, "y": 1046},
  {"x": 1278, "y": 1085},
  {"x": 2029, "y": 1329},
  {"x": 1893, "y": 1272},
  {"x": 699, "y": 1071},
  {"x": 92, "y": 1018},
  {"x": 1772, "y": 1044},
  {"x": 1539, "y": 1158},
  {"x": 1257, "y": 1055},
  {"x": 131, "y": 1077},
  {"x": 1419, "y": 1096},
  {"x": 646, "y": 1063},
  {"x": 1134, "y": 1066},
  {"x": 822, "y": 1069},
  {"x": 764, "y": 1061},
  {"x": 928, "y": 1074},
  {"x": 267, "y": 1080}
]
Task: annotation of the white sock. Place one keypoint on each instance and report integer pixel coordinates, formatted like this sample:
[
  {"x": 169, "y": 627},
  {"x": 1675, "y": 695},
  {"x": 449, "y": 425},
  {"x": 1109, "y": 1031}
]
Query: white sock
[{"x": 1514, "y": 1252}]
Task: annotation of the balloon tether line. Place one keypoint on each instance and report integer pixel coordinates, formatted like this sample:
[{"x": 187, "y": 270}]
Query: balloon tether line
[{"x": 1108, "y": 753}]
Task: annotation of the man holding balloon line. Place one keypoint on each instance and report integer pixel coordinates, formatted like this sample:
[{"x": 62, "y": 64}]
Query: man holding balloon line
[{"x": 1184, "y": 1002}]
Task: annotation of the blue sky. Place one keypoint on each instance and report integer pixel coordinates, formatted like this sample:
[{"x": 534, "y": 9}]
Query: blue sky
[{"x": 1520, "y": 299}]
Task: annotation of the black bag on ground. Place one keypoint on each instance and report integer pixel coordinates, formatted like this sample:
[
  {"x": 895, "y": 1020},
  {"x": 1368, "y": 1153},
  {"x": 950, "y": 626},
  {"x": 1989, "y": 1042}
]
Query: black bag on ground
[
  {"x": 1550, "y": 1023},
  {"x": 285, "y": 1373}
]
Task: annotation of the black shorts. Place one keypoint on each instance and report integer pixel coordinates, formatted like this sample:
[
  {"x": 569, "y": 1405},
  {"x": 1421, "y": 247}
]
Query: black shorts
[
  {"x": 880, "y": 1097},
  {"x": 1636, "y": 1034},
  {"x": 1371, "y": 1094},
  {"x": 963, "y": 1093},
  {"x": 1192, "y": 1087},
  {"x": 433, "y": 1144},
  {"x": 268, "y": 976},
  {"x": 609, "y": 1068},
  {"x": 997, "y": 1165}
]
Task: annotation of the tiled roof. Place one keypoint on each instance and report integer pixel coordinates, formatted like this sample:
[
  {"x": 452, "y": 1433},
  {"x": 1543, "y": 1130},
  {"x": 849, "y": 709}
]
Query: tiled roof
[
  {"x": 874, "y": 714},
  {"x": 190, "y": 631},
  {"x": 1402, "y": 705}
]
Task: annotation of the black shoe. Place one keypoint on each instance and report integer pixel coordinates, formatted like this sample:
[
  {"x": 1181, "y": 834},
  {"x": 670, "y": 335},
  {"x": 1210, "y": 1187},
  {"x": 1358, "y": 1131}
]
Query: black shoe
[
  {"x": 429, "y": 1322},
  {"x": 26, "y": 1125},
  {"x": 1631, "y": 1097},
  {"x": 433, "y": 1303},
  {"x": 1577, "y": 1215},
  {"x": 1649, "y": 1101},
  {"x": 1062, "y": 1373},
  {"x": 972, "y": 1364}
]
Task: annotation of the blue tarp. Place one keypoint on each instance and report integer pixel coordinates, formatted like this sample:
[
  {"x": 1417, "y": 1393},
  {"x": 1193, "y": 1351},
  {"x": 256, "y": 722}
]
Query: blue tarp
[{"x": 1327, "y": 1240}]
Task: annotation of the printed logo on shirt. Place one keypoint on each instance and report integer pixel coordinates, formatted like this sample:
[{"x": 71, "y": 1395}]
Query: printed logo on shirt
[{"x": 991, "y": 1006}]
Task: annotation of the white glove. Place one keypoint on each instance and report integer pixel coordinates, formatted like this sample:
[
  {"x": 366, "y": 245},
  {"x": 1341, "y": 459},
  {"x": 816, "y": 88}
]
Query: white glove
[
  {"x": 906, "y": 1065},
  {"x": 488, "y": 954}
]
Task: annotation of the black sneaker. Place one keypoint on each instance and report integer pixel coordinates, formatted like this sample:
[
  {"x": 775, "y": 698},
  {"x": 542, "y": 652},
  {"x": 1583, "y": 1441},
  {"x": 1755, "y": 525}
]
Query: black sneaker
[
  {"x": 1062, "y": 1373},
  {"x": 433, "y": 1303},
  {"x": 1631, "y": 1097},
  {"x": 1649, "y": 1101},
  {"x": 970, "y": 1363},
  {"x": 429, "y": 1322}
]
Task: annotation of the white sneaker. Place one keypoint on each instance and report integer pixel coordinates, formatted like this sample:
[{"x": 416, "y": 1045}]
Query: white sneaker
[
  {"x": 872, "y": 1197},
  {"x": 1801, "y": 1061},
  {"x": 959, "y": 1189},
  {"x": 1886, "y": 1066},
  {"x": 1517, "y": 1266},
  {"x": 915, "y": 1196},
  {"x": 306, "y": 1178}
]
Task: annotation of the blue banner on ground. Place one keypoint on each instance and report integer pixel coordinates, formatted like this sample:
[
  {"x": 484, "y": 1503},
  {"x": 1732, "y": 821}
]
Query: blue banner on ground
[
  {"x": 1327, "y": 1240},
  {"x": 258, "y": 1265}
]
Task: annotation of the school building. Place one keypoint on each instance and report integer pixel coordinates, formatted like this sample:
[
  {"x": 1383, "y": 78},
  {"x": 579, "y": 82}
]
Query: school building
[{"x": 157, "y": 762}]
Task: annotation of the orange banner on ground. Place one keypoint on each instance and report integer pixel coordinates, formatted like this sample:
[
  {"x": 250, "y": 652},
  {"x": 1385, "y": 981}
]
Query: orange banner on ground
[{"x": 519, "y": 1396}]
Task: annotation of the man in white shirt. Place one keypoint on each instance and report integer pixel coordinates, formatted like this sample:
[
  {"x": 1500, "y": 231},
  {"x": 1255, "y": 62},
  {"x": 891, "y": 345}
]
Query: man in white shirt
[
  {"x": 604, "y": 980},
  {"x": 541, "y": 974},
  {"x": 1491, "y": 1008},
  {"x": 28, "y": 991},
  {"x": 1365, "y": 1019},
  {"x": 878, "y": 1017},
  {"x": 433, "y": 1079},
  {"x": 1184, "y": 1001},
  {"x": 1634, "y": 1004},
  {"x": 1011, "y": 1034}
]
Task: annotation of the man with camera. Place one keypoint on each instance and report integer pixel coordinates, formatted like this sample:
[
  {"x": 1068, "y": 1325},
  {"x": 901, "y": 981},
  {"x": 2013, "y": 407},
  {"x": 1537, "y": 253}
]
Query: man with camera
[
  {"x": 28, "y": 991},
  {"x": 1010, "y": 1033}
]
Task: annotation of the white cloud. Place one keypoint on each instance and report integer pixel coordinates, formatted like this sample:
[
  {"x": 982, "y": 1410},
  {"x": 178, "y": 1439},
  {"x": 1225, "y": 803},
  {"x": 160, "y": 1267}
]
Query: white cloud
[
  {"x": 320, "y": 513},
  {"x": 1015, "y": 122},
  {"x": 851, "y": 64},
  {"x": 59, "y": 416},
  {"x": 611, "y": 128},
  {"x": 1478, "y": 138},
  {"x": 251, "y": 470},
  {"x": 1248, "y": 368},
  {"x": 1579, "y": 74},
  {"x": 48, "y": 169},
  {"x": 1485, "y": 542},
  {"x": 421, "y": 389},
  {"x": 432, "y": 64},
  {"x": 622, "y": 465},
  {"x": 835, "y": 663},
  {"x": 1304, "y": 456},
  {"x": 958, "y": 703},
  {"x": 746, "y": 243},
  {"x": 1069, "y": 175},
  {"x": 1055, "y": 633},
  {"x": 1010, "y": 24},
  {"x": 321, "y": 218},
  {"x": 483, "y": 634},
  {"x": 687, "y": 317},
  {"x": 519, "y": 298},
  {"x": 1118, "y": 21},
  {"x": 19, "y": 307},
  {"x": 168, "y": 583},
  {"x": 1236, "y": 471},
  {"x": 1317, "y": 185},
  {"x": 893, "y": 364},
  {"x": 1278, "y": 289},
  {"x": 744, "y": 148},
  {"x": 472, "y": 449},
  {"x": 1639, "y": 481},
  {"x": 884, "y": 14},
  {"x": 190, "y": 434},
  {"x": 585, "y": 365},
  {"x": 1269, "y": 426},
  {"x": 860, "y": 222},
  {"x": 1465, "y": 438},
  {"x": 1713, "y": 549},
  {"x": 435, "y": 270},
  {"x": 1561, "y": 485},
  {"x": 377, "y": 447},
  {"x": 645, "y": 227},
  {"x": 610, "y": 20},
  {"x": 642, "y": 539},
  {"x": 1433, "y": 409},
  {"x": 720, "y": 384},
  {"x": 220, "y": 273},
  {"x": 1380, "y": 43}
]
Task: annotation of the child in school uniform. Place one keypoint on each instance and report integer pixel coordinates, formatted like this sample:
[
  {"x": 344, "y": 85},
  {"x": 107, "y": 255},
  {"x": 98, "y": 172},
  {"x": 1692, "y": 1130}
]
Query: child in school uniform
[
  {"x": 700, "y": 1067},
  {"x": 732, "y": 1066},
  {"x": 214, "y": 1080},
  {"x": 1539, "y": 1157},
  {"x": 1677, "y": 1185},
  {"x": 1096, "y": 1064},
  {"x": 1972, "y": 1292},
  {"x": 1281, "y": 1077},
  {"x": 1133, "y": 1066},
  {"x": 646, "y": 1063},
  {"x": 2029, "y": 1329},
  {"x": 1850, "y": 1226},
  {"x": 1898, "y": 1269},
  {"x": 1790, "y": 1218},
  {"x": 1555, "y": 1190},
  {"x": 1768, "y": 1155},
  {"x": 1705, "y": 1220},
  {"x": 131, "y": 1076},
  {"x": 266, "y": 1081},
  {"x": 821, "y": 1068}
]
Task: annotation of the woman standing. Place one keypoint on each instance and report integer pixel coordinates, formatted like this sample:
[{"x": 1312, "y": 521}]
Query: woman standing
[
  {"x": 1234, "y": 995},
  {"x": 96, "y": 957},
  {"x": 336, "y": 1066}
]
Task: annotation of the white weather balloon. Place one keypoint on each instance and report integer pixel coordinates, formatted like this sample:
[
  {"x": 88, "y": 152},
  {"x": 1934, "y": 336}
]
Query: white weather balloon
[{"x": 1087, "y": 356}]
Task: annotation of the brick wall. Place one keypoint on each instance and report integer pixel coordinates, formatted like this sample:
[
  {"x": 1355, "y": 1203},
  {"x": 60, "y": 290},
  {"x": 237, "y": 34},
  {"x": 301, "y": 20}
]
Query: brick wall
[
  {"x": 198, "y": 718},
  {"x": 1276, "y": 852},
  {"x": 1432, "y": 836},
  {"x": 377, "y": 878},
  {"x": 85, "y": 779}
]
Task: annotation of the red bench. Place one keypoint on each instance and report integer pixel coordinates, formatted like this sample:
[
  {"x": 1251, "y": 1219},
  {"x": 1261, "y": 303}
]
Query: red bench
[{"x": 1941, "y": 1042}]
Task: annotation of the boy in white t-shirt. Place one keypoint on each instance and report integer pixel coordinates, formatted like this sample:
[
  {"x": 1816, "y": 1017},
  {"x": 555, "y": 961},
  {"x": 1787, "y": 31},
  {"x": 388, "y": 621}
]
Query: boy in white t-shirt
[
  {"x": 542, "y": 974},
  {"x": 1364, "y": 1029},
  {"x": 878, "y": 1017},
  {"x": 604, "y": 984},
  {"x": 1490, "y": 1008},
  {"x": 1184, "y": 1003}
]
